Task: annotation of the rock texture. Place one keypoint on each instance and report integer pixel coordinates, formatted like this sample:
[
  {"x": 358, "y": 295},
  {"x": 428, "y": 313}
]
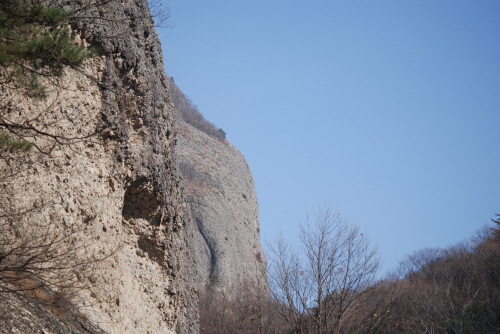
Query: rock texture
[
  {"x": 119, "y": 190},
  {"x": 223, "y": 202},
  {"x": 20, "y": 315},
  {"x": 139, "y": 241}
]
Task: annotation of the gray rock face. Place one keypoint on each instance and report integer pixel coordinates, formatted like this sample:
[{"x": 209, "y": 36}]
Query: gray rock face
[
  {"x": 138, "y": 109},
  {"x": 221, "y": 194}
]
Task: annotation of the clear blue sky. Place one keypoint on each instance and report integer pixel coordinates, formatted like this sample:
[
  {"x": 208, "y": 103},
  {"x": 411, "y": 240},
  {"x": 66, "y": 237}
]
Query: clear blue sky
[{"x": 390, "y": 110}]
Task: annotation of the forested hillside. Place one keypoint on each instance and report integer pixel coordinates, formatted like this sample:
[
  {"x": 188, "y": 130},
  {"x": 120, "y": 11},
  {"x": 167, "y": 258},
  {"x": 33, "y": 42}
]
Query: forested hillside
[{"x": 328, "y": 284}]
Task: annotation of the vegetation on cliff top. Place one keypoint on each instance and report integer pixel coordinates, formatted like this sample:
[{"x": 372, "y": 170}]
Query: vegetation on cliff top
[{"x": 188, "y": 111}]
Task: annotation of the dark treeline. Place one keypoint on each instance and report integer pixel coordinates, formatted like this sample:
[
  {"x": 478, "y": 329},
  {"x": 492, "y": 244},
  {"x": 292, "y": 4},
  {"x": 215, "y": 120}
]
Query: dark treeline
[
  {"x": 327, "y": 285},
  {"x": 188, "y": 111}
]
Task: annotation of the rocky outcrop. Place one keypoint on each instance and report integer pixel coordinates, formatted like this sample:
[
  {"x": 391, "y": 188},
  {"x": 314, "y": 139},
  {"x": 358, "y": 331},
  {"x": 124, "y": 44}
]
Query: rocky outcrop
[
  {"x": 221, "y": 194},
  {"x": 114, "y": 188},
  {"x": 129, "y": 240}
]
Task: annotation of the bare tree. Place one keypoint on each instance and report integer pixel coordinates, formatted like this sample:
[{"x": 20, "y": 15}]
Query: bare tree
[
  {"x": 451, "y": 290},
  {"x": 323, "y": 282}
]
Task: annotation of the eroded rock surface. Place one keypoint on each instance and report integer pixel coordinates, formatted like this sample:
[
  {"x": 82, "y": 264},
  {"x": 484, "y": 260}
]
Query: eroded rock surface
[
  {"x": 20, "y": 315},
  {"x": 118, "y": 189}
]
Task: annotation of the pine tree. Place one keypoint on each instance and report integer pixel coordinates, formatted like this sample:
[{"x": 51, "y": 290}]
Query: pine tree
[{"x": 35, "y": 42}]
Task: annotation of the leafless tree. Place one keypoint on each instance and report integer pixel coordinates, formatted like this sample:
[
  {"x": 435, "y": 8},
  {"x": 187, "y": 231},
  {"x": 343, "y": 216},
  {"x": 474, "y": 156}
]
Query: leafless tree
[
  {"x": 452, "y": 290},
  {"x": 323, "y": 283}
]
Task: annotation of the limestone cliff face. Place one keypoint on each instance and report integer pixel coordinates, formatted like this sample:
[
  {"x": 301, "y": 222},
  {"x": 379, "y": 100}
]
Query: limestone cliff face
[
  {"x": 221, "y": 194},
  {"x": 119, "y": 187}
]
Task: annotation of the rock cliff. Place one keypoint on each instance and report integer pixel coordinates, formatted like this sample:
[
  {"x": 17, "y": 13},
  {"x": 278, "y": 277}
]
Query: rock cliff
[
  {"x": 223, "y": 202},
  {"x": 123, "y": 242},
  {"x": 106, "y": 182}
]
